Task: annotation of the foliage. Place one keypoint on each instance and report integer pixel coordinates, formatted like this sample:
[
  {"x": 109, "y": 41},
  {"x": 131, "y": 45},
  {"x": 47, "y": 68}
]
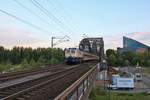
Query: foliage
[
  {"x": 20, "y": 57},
  {"x": 54, "y": 61},
  {"x": 128, "y": 58},
  {"x": 112, "y": 60},
  {"x": 92, "y": 94},
  {"x": 24, "y": 63},
  {"x": 33, "y": 63}
]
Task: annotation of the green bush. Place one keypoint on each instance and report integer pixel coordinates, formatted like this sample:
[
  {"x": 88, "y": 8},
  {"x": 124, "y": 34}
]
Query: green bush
[
  {"x": 2, "y": 68},
  {"x": 54, "y": 61},
  {"x": 33, "y": 63},
  {"x": 24, "y": 64},
  {"x": 127, "y": 58},
  {"x": 92, "y": 94},
  {"x": 100, "y": 91}
]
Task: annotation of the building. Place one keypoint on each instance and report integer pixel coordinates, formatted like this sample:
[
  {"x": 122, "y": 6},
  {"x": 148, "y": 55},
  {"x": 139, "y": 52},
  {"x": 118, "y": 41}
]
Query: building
[{"x": 132, "y": 45}]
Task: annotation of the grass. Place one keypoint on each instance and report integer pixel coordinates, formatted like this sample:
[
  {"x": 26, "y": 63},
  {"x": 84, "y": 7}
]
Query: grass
[
  {"x": 6, "y": 68},
  {"x": 147, "y": 70},
  {"x": 24, "y": 65},
  {"x": 100, "y": 94}
]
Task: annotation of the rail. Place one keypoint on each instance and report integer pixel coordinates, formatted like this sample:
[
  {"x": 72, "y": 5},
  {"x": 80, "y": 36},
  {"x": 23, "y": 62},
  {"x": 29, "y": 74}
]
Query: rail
[{"x": 38, "y": 83}]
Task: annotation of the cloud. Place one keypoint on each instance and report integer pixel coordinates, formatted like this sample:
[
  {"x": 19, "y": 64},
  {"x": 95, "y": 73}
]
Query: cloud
[
  {"x": 4, "y": 18},
  {"x": 10, "y": 37},
  {"x": 112, "y": 42}
]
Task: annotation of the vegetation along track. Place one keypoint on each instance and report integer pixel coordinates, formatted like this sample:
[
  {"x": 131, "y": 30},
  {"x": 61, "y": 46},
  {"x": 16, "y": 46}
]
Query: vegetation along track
[
  {"x": 14, "y": 75},
  {"x": 44, "y": 88}
]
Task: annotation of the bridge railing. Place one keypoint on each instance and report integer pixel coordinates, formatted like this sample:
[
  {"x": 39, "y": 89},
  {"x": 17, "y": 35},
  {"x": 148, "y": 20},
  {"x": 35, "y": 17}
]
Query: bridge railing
[{"x": 79, "y": 88}]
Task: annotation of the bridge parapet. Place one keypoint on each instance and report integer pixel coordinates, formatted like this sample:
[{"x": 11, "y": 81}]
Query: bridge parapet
[{"x": 79, "y": 88}]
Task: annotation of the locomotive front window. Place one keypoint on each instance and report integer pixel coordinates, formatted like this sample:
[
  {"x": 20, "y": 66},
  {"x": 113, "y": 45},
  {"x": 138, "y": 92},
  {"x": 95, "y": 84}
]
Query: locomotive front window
[{"x": 67, "y": 51}]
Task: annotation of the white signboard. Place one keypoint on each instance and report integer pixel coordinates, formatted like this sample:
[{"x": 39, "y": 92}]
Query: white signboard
[{"x": 125, "y": 82}]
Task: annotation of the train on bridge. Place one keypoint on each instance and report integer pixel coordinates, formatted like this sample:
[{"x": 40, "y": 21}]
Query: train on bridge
[{"x": 89, "y": 49}]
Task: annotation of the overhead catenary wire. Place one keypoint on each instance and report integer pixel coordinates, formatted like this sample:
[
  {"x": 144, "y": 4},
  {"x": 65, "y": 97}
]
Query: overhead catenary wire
[
  {"x": 35, "y": 14},
  {"x": 43, "y": 11},
  {"x": 24, "y": 21},
  {"x": 67, "y": 16},
  {"x": 50, "y": 15},
  {"x": 61, "y": 39},
  {"x": 32, "y": 12},
  {"x": 64, "y": 18},
  {"x": 46, "y": 12}
]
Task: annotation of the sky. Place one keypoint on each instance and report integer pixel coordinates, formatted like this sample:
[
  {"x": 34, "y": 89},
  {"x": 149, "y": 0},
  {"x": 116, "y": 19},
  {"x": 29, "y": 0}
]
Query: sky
[{"x": 110, "y": 19}]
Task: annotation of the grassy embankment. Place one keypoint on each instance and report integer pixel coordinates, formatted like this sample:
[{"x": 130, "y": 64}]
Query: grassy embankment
[
  {"x": 147, "y": 70},
  {"x": 100, "y": 94},
  {"x": 24, "y": 65}
]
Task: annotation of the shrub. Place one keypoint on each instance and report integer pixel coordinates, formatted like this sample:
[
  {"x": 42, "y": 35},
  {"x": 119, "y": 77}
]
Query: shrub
[
  {"x": 92, "y": 94},
  {"x": 24, "y": 64},
  {"x": 54, "y": 61}
]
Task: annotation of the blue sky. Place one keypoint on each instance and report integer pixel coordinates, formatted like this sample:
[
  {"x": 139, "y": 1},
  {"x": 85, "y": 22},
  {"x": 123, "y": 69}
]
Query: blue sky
[{"x": 110, "y": 19}]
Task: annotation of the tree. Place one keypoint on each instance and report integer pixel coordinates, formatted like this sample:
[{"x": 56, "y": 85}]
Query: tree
[
  {"x": 54, "y": 61},
  {"x": 119, "y": 61},
  {"x": 126, "y": 62},
  {"x": 33, "y": 63},
  {"x": 27, "y": 57},
  {"x": 24, "y": 64},
  {"x": 135, "y": 60},
  {"x": 148, "y": 62},
  {"x": 111, "y": 60},
  {"x": 110, "y": 52},
  {"x": 1, "y": 54},
  {"x": 41, "y": 60}
]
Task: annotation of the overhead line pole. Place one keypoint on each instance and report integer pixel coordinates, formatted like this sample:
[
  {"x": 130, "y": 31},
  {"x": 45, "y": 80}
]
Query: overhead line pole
[
  {"x": 61, "y": 39},
  {"x": 52, "y": 42}
]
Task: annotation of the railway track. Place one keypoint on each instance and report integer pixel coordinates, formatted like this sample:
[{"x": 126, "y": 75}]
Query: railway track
[
  {"x": 46, "y": 87},
  {"x": 14, "y": 75}
]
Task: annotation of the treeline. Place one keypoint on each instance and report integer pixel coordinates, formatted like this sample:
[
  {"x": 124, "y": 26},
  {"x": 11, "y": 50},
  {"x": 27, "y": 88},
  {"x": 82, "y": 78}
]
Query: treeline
[
  {"x": 28, "y": 57},
  {"x": 127, "y": 58}
]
